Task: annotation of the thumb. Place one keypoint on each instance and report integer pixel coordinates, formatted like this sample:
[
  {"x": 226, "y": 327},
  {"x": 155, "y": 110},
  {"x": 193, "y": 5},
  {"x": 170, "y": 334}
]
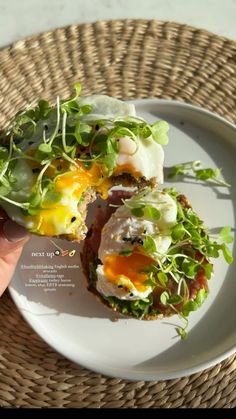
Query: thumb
[
  {"x": 12, "y": 236},
  {"x": 12, "y": 239}
]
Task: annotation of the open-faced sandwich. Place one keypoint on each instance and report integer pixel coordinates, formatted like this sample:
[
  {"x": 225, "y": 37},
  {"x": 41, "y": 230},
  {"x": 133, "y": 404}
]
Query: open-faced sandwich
[
  {"x": 149, "y": 256},
  {"x": 54, "y": 160}
]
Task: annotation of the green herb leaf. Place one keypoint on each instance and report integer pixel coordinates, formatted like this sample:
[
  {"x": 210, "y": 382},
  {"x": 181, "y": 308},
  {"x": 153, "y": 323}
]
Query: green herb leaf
[
  {"x": 3, "y": 154},
  {"x": 194, "y": 168},
  {"x": 227, "y": 254},
  {"x": 180, "y": 213},
  {"x": 137, "y": 212},
  {"x": 178, "y": 232},
  {"x": 152, "y": 213},
  {"x": 45, "y": 148},
  {"x": 150, "y": 269},
  {"x": 209, "y": 173},
  {"x": 4, "y": 190},
  {"x": 92, "y": 271},
  {"x": 164, "y": 298},
  {"x": 145, "y": 132},
  {"x": 208, "y": 268},
  {"x": 35, "y": 199},
  {"x": 109, "y": 162},
  {"x": 159, "y": 132},
  {"x": 86, "y": 109},
  {"x": 190, "y": 268},
  {"x": 126, "y": 252},
  {"x": 182, "y": 332},
  {"x": 149, "y": 245},
  {"x": 162, "y": 278},
  {"x": 225, "y": 236},
  {"x": 77, "y": 87},
  {"x": 176, "y": 170},
  {"x": 200, "y": 297},
  {"x": 71, "y": 106},
  {"x": 175, "y": 299},
  {"x": 44, "y": 109},
  {"x": 188, "y": 307},
  {"x": 151, "y": 282},
  {"x": 32, "y": 211}
]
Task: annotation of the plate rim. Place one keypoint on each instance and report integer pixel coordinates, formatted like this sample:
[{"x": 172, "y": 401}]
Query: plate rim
[
  {"x": 199, "y": 108},
  {"x": 132, "y": 375}
]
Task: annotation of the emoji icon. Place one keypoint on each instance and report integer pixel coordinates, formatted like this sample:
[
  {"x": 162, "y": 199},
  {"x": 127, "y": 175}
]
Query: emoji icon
[
  {"x": 72, "y": 253},
  {"x": 65, "y": 252}
]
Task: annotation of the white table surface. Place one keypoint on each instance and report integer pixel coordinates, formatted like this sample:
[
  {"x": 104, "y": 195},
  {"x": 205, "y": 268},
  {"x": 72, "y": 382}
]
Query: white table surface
[{"x": 21, "y": 18}]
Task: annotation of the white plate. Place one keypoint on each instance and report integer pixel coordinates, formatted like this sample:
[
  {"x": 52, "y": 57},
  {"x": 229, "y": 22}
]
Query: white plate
[{"x": 70, "y": 319}]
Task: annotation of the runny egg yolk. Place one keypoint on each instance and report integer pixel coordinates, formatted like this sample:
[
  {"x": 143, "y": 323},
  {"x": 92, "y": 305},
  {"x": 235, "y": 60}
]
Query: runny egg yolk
[
  {"x": 129, "y": 267},
  {"x": 71, "y": 185},
  {"x": 84, "y": 178},
  {"x": 81, "y": 178},
  {"x": 49, "y": 222}
]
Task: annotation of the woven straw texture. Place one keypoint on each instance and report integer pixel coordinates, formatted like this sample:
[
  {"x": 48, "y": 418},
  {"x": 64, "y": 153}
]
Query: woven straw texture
[{"x": 124, "y": 59}]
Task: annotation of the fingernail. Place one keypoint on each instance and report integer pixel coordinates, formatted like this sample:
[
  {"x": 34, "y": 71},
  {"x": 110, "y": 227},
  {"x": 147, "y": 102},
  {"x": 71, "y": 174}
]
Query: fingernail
[{"x": 13, "y": 232}]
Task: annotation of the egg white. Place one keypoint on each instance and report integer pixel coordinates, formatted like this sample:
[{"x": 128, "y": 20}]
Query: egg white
[
  {"x": 144, "y": 156},
  {"x": 106, "y": 107},
  {"x": 123, "y": 224}
]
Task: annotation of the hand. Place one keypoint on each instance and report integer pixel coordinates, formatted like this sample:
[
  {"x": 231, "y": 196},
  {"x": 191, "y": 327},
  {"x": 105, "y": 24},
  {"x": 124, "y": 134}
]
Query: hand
[{"x": 12, "y": 239}]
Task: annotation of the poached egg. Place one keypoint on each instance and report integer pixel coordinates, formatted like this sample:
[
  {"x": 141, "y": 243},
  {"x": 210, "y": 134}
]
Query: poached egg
[
  {"x": 123, "y": 276},
  {"x": 140, "y": 158},
  {"x": 60, "y": 212}
]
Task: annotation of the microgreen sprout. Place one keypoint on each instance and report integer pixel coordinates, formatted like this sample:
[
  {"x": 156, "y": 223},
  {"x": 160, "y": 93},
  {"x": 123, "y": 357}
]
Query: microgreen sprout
[
  {"x": 58, "y": 121},
  {"x": 178, "y": 277},
  {"x": 141, "y": 207},
  {"x": 194, "y": 168},
  {"x": 70, "y": 132}
]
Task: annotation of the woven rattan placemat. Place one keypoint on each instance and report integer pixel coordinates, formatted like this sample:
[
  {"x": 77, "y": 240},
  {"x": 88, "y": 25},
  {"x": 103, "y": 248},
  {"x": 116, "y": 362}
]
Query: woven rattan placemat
[{"x": 125, "y": 59}]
